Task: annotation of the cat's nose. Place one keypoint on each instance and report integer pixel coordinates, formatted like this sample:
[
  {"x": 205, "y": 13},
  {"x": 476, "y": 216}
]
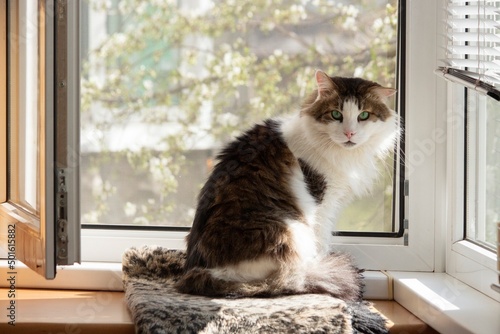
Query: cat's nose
[{"x": 349, "y": 134}]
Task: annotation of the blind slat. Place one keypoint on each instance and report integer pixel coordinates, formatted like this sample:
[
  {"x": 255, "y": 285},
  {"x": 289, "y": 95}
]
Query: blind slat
[
  {"x": 490, "y": 76},
  {"x": 473, "y": 24},
  {"x": 472, "y": 64},
  {"x": 474, "y": 50},
  {"x": 472, "y": 36},
  {"x": 464, "y": 78},
  {"x": 472, "y": 10},
  {"x": 481, "y": 2}
]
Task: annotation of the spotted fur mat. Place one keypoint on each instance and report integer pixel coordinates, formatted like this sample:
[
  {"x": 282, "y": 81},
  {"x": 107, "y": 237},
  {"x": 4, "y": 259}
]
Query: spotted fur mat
[{"x": 157, "y": 307}]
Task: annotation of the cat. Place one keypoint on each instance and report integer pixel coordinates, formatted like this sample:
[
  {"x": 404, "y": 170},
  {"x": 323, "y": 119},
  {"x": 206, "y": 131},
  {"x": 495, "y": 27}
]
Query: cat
[{"x": 265, "y": 216}]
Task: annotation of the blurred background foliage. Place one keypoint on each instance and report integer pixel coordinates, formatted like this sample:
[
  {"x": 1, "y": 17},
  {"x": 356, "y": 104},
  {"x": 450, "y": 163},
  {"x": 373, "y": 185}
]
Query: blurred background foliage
[{"x": 166, "y": 83}]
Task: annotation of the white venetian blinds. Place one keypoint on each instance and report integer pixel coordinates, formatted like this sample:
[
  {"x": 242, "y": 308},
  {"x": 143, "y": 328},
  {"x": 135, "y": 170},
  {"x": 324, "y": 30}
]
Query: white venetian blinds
[{"x": 473, "y": 45}]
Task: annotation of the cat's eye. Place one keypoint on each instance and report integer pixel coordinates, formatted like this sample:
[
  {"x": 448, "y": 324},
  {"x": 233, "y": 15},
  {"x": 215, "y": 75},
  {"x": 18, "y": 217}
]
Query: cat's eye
[
  {"x": 364, "y": 116},
  {"x": 337, "y": 115}
]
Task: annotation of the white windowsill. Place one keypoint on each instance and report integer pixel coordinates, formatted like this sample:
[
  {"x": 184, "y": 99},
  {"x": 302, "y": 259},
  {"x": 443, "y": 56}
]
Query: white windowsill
[{"x": 445, "y": 303}]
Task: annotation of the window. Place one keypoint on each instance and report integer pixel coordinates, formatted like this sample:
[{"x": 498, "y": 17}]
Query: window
[
  {"x": 124, "y": 94},
  {"x": 111, "y": 126},
  {"x": 159, "y": 103},
  {"x": 472, "y": 33},
  {"x": 39, "y": 206},
  {"x": 122, "y": 121}
]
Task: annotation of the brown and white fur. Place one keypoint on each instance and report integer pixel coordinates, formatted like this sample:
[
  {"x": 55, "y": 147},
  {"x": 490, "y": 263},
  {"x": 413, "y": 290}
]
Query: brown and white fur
[{"x": 265, "y": 216}]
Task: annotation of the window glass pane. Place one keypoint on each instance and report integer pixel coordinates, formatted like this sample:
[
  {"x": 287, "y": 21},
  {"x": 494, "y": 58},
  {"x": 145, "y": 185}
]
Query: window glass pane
[
  {"x": 483, "y": 168},
  {"x": 24, "y": 102},
  {"x": 165, "y": 84}
]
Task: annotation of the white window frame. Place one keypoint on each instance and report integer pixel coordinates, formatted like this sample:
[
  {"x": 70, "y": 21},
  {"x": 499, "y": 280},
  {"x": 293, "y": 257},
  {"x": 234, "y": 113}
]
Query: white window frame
[
  {"x": 421, "y": 120},
  {"x": 474, "y": 265},
  {"x": 466, "y": 261}
]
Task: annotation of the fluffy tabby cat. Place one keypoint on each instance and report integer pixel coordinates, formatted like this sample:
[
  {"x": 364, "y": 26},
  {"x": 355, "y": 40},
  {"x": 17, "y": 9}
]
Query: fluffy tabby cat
[{"x": 265, "y": 216}]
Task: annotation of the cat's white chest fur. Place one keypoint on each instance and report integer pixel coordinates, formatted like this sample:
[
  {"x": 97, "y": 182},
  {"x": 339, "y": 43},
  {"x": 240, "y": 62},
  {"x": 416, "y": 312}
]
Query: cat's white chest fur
[
  {"x": 304, "y": 233},
  {"x": 341, "y": 189},
  {"x": 313, "y": 235},
  {"x": 305, "y": 200},
  {"x": 348, "y": 174}
]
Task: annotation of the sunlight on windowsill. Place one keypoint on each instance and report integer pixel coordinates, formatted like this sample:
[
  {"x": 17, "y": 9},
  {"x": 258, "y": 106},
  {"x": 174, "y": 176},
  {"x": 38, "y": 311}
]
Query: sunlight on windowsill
[{"x": 440, "y": 302}]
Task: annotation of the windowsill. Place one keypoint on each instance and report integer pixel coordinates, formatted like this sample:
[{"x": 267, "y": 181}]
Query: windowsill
[
  {"x": 441, "y": 301},
  {"x": 67, "y": 311},
  {"x": 105, "y": 312},
  {"x": 445, "y": 303}
]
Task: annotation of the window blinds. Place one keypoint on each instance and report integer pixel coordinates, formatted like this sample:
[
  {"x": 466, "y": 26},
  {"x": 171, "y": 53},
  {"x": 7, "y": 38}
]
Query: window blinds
[{"x": 473, "y": 45}]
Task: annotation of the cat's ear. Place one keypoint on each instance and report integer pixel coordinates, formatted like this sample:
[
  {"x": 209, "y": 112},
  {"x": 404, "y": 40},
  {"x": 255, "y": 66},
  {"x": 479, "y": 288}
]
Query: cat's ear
[
  {"x": 325, "y": 84},
  {"x": 384, "y": 92}
]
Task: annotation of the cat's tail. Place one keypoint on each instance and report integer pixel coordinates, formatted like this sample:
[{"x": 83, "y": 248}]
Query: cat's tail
[
  {"x": 334, "y": 274},
  {"x": 366, "y": 321}
]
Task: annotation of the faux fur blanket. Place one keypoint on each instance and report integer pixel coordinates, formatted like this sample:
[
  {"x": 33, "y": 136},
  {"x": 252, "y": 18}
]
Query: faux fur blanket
[{"x": 157, "y": 307}]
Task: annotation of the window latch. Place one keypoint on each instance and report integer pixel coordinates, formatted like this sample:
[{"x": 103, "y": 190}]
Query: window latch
[
  {"x": 61, "y": 214},
  {"x": 406, "y": 222}
]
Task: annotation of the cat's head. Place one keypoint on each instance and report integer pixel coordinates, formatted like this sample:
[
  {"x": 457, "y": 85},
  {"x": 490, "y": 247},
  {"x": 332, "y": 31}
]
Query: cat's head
[{"x": 350, "y": 113}]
